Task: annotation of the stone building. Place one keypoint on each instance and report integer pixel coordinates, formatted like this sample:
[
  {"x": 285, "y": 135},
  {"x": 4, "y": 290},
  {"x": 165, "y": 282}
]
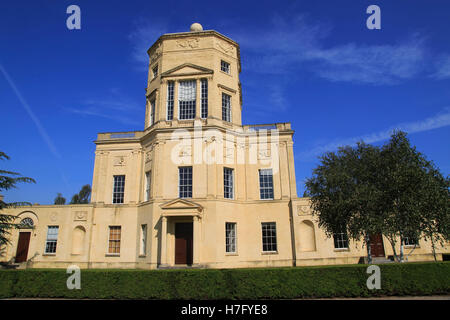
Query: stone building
[{"x": 195, "y": 188}]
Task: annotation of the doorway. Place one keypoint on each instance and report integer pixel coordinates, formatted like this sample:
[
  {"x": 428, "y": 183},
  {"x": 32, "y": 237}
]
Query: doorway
[
  {"x": 376, "y": 245},
  {"x": 22, "y": 246},
  {"x": 183, "y": 243}
]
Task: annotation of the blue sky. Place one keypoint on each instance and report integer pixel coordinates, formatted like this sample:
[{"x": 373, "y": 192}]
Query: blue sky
[{"x": 311, "y": 63}]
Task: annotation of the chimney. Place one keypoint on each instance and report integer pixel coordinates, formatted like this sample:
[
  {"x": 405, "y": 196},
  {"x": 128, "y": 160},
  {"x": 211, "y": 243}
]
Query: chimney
[{"x": 1, "y": 197}]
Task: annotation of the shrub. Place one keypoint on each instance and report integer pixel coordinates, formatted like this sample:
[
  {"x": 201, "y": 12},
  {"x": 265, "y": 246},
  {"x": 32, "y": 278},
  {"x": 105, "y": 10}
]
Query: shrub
[{"x": 261, "y": 283}]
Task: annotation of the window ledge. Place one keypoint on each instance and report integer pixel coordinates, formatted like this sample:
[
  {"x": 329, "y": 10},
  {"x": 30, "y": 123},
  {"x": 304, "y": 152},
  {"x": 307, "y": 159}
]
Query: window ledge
[
  {"x": 49, "y": 254},
  {"x": 142, "y": 256},
  {"x": 227, "y": 73},
  {"x": 341, "y": 249},
  {"x": 269, "y": 252},
  {"x": 112, "y": 255},
  {"x": 231, "y": 254}
]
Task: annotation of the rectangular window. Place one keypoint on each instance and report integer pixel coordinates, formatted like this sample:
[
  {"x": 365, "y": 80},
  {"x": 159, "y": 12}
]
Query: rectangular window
[
  {"x": 204, "y": 98},
  {"x": 225, "y": 66},
  {"x": 155, "y": 71},
  {"x": 52, "y": 239},
  {"x": 228, "y": 183},
  {"x": 226, "y": 107},
  {"x": 148, "y": 180},
  {"x": 143, "y": 247},
  {"x": 170, "y": 99},
  {"x": 187, "y": 95},
  {"x": 118, "y": 189},
  {"x": 185, "y": 182},
  {"x": 230, "y": 237},
  {"x": 114, "y": 239},
  {"x": 152, "y": 111},
  {"x": 409, "y": 241},
  {"x": 266, "y": 183},
  {"x": 269, "y": 236},
  {"x": 340, "y": 240}
]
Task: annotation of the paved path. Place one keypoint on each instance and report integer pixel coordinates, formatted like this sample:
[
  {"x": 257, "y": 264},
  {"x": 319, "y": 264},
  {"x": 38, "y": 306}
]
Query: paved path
[{"x": 443, "y": 297}]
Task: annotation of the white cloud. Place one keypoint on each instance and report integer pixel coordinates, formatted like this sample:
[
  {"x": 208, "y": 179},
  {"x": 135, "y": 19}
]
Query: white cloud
[
  {"x": 115, "y": 107},
  {"x": 443, "y": 66},
  {"x": 145, "y": 33},
  {"x": 99, "y": 112},
  {"x": 299, "y": 44},
  {"x": 439, "y": 120}
]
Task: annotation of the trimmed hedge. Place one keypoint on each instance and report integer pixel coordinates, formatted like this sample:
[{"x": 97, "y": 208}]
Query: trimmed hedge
[{"x": 273, "y": 283}]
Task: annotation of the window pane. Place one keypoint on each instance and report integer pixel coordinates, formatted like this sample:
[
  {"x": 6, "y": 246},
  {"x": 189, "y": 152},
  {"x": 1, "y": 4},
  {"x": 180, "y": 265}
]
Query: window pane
[
  {"x": 114, "y": 239},
  {"x": 226, "y": 107},
  {"x": 224, "y": 66},
  {"x": 185, "y": 182},
  {"x": 52, "y": 238},
  {"x": 340, "y": 240},
  {"x": 148, "y": 177},
  {"x": 118, "y": 189},
  {"x": 204, "y": 98},
  {"x": 266, "y": 183},
  {"x": 187, "y": 99},
  {"x": 152, "y": 111},
  {"x": 230, "y": 237},
  {"x": 170, "y": 97},
  {"x": 269, "y": 236},
  {"x": 228, "y": 183}
]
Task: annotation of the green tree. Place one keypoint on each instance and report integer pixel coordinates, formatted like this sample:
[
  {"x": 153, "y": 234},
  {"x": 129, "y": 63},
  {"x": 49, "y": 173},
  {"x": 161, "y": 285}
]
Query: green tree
[
  {"x": 393, "y": 190},
  {"x": 59, "y": 199},
  {"x": 402, "y": 180},
  {"x": 344, "y": 194},
  {"x": 436, "y": 204},
  {"x": 9, "y": 180},
  {"x": 83, "y": 196},
  {"x": 415, "y": 202}
]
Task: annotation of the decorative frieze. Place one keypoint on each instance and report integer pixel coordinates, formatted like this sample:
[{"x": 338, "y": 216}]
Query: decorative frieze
[
  {"x": 119, "y": 161},
  {"x": 80, "y": 216},
  {"x": 188, "y": 43}
]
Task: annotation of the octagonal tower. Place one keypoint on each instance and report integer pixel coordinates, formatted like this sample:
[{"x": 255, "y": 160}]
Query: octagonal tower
[{"x": 193, "y": 76}]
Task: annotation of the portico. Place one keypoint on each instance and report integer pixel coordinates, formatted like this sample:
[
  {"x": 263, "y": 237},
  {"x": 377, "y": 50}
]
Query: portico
[{"x": 180, "y": 233}]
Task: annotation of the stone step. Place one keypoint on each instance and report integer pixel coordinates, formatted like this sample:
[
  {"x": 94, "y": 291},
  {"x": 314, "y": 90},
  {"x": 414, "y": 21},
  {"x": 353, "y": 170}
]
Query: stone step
[{"x": 197, "y": 266}]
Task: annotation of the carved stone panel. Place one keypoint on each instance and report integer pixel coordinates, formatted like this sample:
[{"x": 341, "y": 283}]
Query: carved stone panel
[
  {"x": 188, "y": 43},
  {"x": 119, "y": 161},
  {"x": 303, "y": 210},
  {"x": 263, "y": 154},
  {"x": 80, "y": 216},
  {"x": 225, "y": 47}
]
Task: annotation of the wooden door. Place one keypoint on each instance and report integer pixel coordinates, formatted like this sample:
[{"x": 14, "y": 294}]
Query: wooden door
[
  {"x": 376, "y": 245},
  {"x": 183, "y": 243},
  {"x": 22, "y": 246}
]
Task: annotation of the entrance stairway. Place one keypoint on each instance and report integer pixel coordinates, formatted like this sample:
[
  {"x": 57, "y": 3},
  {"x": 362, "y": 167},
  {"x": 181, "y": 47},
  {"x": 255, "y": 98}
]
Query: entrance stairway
[
  {"x": 376, "y": 260},
  {"x": 182, "y": 266}
]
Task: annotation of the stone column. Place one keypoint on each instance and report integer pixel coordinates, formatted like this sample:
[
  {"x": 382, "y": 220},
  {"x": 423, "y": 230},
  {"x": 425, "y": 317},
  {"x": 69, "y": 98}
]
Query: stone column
[
  {"x": 176, "y": 112},
  {"x": 198, "y": 113},
  {"x": 163, "y": 241},
  {"x": 196, "y": 233}
]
